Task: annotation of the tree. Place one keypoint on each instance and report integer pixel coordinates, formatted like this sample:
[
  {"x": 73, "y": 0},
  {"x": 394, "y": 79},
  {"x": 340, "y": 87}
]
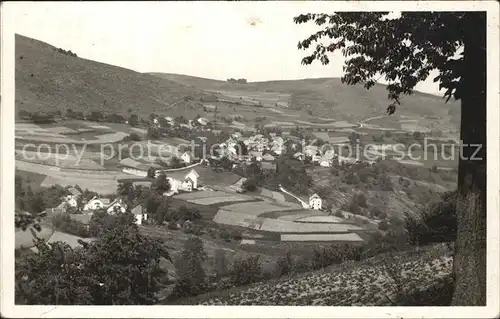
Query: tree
[
  {"x": 246, "y": 271},
  {"x": 189, "y": 268},
  {"x": 405, "y": 50},
  {"x": 121, "y": 267},
  {"x": 161, "y": 213},
  {"x": 220, "y": 263},
  {"x": 133, "y": 120},
  {"x": 161, "y": 184},
  {"x": 128, "y": 266},
  {"x": 249, "y": 185},
  {"x": 151, "y": 172}
]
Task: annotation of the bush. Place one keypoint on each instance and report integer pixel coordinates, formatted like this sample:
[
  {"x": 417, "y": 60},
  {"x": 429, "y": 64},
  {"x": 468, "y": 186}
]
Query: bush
[
  {"x": 133, "y": 137},
  {"x": 383, "y": 225},
  {"x": 284, "y": 265},
  {"x": 249, "y": 185},
  {"x": 224, "y": 234},
  {"x": 437, "y": 222},
  {"x": 378, "y": 213},
  {"x": 246, "y": 271},
  {"x": 360, "y": 199},
  {"x": 236, "y": 235}
]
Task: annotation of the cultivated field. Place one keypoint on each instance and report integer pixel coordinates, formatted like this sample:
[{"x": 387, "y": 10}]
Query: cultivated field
[
  {"x": 217, "y": 200},
  {"x": 256, "y": 208},
  {"x": 320, "y": 219},
  {"x": 59, "y": 160},
  {"x": 283, "y": 226},
  {"x": 367, "y": 283},
  {"x": 349, "y": 237},
  {"x": 104, "y": 182}
]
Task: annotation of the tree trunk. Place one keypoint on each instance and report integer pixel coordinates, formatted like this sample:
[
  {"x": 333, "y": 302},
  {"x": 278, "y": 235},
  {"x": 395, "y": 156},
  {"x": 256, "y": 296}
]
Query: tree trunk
[{"x": 469, "y": 268}]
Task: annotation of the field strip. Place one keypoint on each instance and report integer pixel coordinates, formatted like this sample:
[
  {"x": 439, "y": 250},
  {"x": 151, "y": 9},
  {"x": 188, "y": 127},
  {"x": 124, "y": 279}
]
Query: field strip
[
  {"x": 99, "y": 186},
  {"x": 256, "y": 208},
  {"x": 351, "y": 237},
  {"x": 216, "y": 200},
  {"x": 320, "y": 219},
  {"x": 294, "y": 217},
  {"x": 282, "y": 226},
  {"x": 207, "y": 194},
  {"x": 237, "y": 219}
]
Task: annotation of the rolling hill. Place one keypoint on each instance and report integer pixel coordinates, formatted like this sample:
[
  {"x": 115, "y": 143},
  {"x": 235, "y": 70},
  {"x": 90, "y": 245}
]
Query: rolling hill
[
  {"x": 328, "y": 97},
  {"x": 49, "y": 80}
]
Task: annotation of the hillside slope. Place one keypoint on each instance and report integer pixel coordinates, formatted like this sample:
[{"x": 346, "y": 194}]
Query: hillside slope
[
  {"x": 47, "y": 80},
  {"x": 328, "y": 97}
]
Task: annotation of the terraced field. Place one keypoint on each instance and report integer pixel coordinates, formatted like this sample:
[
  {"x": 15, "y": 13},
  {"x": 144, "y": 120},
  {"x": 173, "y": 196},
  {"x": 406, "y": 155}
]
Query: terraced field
[{"x": 368, "y": 283}]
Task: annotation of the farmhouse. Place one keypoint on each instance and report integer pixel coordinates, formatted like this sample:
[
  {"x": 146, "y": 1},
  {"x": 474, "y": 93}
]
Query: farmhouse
[
  {"x": 75, "y": 192},
  {"x": 140, "y": 215},
  {"x": 70, "y": 200},
  {"x": 186, "y": 157},
  {"x": 183, "y": 180},
  {"x": 315, "y": 202},
  {"x": 133, "y": 167},
  {"x": 117, "y": 206},
  {"x": 96, "y": 203},
  {"x": 256, "y": 155},
  {"x": 202, "y": 121}
]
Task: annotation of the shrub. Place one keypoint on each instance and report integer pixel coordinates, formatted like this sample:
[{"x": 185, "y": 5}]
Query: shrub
[
  {"x": 236, "y": 235},
  {"x": 360, "y": 199},
  {"x": 246, "y": 271},
  {"x": 284, "y": 265},
  {"x": 189, "y": 269},
  {"x": 224, "y": 234},
  {"x": 249, "y": 185},
  {"x": 383, "y": 225},
  {"x": 437, "y": 222},
  {"x": 133, "y": 137}
]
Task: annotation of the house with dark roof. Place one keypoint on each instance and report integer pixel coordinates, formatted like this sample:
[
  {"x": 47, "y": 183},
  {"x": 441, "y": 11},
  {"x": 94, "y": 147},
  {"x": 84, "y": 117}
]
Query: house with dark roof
[
  {"x": 71, "y": 240},
  {"x": 75, "y": 192}
]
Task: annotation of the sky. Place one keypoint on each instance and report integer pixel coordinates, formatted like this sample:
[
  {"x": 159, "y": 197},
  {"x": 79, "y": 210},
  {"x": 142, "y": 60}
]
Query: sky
[{"x": 218, "y": 40}]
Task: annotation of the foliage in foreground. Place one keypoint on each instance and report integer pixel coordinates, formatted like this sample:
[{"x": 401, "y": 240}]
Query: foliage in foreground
[{"x": 121, "y": 267}]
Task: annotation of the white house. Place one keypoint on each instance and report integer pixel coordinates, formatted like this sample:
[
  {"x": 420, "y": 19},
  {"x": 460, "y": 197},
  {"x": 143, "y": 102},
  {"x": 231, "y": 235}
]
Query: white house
[
  {"x": 257, "y": 155},
  {"x": 325, "y": 163},
  {"x": 202, "y": 121},
  {"x": 183, "y": 180},
  {"x": 186, "y": 157},
  {"x": 117, "y": 205},
  {"x": 139, "y": 214},
  {"x": 71, "y": 200},
  {"x": 315, "y": 202},
  {"x": 96, "y": 203}
]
